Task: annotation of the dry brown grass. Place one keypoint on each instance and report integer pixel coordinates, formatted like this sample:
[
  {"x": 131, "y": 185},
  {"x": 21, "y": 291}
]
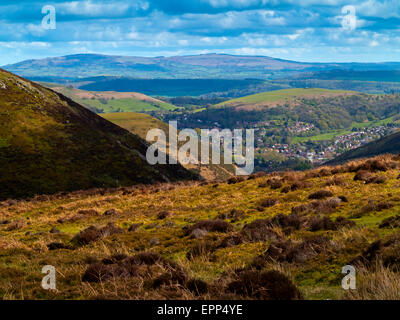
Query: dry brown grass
[{"x": 381, "y": 284}]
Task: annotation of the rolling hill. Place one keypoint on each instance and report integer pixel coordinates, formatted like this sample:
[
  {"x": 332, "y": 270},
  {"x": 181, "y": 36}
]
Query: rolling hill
[
  {"x": 274, "y": 98},
  {"x": 325, "y": 109},
  {"x": 178, "y": 67},
  {"x": 48, "y": 143},
  {"x": 111, "y": 101},
  {"x": 388, "y": 144}
]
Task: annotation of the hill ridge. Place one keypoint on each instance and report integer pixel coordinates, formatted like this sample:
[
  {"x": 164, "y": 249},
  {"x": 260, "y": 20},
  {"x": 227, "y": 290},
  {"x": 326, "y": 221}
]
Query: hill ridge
[{"x": 49, "y": 143}]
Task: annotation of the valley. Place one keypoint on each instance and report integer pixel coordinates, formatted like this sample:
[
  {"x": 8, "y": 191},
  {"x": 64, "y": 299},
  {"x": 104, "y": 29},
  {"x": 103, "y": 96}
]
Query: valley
[
  {"x": 294, "y": 128},
  {"x": 199, "y": 159}
]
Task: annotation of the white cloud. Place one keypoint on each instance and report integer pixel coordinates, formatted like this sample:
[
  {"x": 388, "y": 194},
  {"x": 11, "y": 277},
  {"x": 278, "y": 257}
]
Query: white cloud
[
  {"x": 374, "y": 43},
  {"x": 382, "y": 9}
]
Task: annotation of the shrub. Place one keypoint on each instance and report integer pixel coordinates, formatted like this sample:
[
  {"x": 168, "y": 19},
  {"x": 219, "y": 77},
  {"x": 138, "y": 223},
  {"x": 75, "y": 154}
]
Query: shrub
[
  {"x": 300, "y": 185},
  {"x": 322, "y": 206},
  {"x": 269, "y": 285},
  {"x": 235, "y": 215},
  {"x": 16, "y": 225},
  {"x": 376, "y": 180},
  {"x": 375, "y": 207},
  {"x": 288, "y": 251},
  {"x": 269, "y": 202},
  {"x": 92, "y": 234},
  {"x": 197, "y": 286},
  {"x": 263, "y": 184},
  {"x": 307, "y": 249},
  {"x": 385, "y": 251},
  {"x": 257, "y": 175},
  {"x": 324, "y": 223},
  {"x": 89, "y": 212},
  {"x": 111, "y": 212},
  {"x": 134, "y": 227},
  {"x": 284, "y": 221},
  {"x": 173, "y": 277},
  {"x": 335, "y": 181},
  {"x": 259, "y": 230},
  {"x": 211, "y": 226},
  {"x": 200, "y": 249},
  {"x": 146, "y": 258},
  {"x": 391, "y": 222},
  {"x": 321, "y": 223},
  {"x": 321, "y": 194},
  {"x": 237, "y": 179},
  {"x": 87, "y": 236},
  {"x": 362, "y": 175},
  {"x": 231, "y": 241},
  {"x": 99, "y": 272},
  {"x": 163, "y": 215},
  {"x": 275, "y": 183}
]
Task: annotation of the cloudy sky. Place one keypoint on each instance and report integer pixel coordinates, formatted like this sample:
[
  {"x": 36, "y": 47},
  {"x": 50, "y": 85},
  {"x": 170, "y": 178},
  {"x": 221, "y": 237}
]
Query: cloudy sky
[{"x": 302, "y": 30}]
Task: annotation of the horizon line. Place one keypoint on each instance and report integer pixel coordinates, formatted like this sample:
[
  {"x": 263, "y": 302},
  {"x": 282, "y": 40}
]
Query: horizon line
[{"x": 200, "y": 54}]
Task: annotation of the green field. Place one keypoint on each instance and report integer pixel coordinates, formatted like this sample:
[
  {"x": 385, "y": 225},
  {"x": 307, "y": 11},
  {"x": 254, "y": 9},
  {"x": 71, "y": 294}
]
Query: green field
[
  {"x": 321, "y": 137},
  {"x": 281, "y": 95},
  {"x": 125, "y": 105},
  {"x": 336, "y": 133},
  {"x": 109, "y": 102}
]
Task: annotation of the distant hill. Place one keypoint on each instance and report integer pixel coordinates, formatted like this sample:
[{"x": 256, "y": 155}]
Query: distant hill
[
  {"x": 178, "y": 67},
  {"x": 140, "y": 124},
  {"x": 205, "y": 66},
  {"x": 388, "y": 144},
  {"x": 48, "y": 143},
  {"x": 370, "y": 75},
  {"x": 111, "y": 101}
]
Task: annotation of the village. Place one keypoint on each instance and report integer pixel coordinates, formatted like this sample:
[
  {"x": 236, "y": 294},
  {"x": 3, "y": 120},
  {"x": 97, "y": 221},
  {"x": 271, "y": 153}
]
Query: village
[{"x": 320, "y": 151}]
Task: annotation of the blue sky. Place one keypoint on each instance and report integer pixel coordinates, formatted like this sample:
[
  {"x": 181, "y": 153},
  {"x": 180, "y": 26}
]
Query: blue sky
[{"x": 302, "y": 30}]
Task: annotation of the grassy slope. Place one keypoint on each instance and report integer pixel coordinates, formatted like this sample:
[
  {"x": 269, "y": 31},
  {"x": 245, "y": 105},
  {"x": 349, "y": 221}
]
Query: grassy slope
[
  {"x": 114, "y": 101},
  {"x": 137, "y": 123},
  {"x": 140, "y": 124},
  {"x": 281, "y": 96},
  {"x": 49, "y": 143},
  {"x": 319, "y": 277}
]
